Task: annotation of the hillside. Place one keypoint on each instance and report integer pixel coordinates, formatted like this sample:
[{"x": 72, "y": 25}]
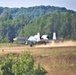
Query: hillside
[
  {"x": 44, "y": 19},
  {"x": 32, "y": 12}
]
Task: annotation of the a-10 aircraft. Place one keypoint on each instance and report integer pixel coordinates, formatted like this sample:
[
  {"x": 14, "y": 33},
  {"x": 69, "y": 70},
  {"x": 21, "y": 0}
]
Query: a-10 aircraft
[{"x": 37, "y": 39}]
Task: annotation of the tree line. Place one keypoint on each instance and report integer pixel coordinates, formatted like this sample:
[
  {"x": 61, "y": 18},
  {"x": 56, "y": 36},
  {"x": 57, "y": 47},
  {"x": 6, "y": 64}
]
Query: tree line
[{"x": 44, "y": 19}]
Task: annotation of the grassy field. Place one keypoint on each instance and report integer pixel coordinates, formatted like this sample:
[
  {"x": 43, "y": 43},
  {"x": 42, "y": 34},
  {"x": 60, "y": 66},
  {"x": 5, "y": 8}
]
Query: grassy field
[{"x": 56, "y": 60}]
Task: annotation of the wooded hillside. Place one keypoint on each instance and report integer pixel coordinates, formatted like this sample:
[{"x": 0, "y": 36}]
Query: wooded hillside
[{"x": 44, "y": 19}]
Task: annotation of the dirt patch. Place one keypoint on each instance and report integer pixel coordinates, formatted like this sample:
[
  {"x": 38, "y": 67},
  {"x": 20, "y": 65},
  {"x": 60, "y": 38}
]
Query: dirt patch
[{"x": 59, "y": 44}]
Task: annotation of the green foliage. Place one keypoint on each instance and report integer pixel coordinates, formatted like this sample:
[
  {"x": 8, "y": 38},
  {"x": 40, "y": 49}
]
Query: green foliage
[
  {"x": 21, "y": 65},
  {"x": 29, "y": 21},
  {"x": 24, "y": 65},
  {"x": 40, "y": 71},
  {"x": 7, "y": 66}
]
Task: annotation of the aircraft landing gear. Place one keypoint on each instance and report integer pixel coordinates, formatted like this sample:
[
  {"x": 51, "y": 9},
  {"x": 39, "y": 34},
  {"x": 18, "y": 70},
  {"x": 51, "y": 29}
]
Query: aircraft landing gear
[{"x": 31, "y": 44}]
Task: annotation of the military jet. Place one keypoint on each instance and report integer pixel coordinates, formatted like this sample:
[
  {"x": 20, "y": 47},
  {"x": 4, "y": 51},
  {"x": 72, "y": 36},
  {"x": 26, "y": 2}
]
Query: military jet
[{"x": 37, "y": 39}]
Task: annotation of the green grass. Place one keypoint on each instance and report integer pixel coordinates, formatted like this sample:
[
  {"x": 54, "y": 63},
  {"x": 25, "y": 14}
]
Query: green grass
[{"x": 8, "y": 44}]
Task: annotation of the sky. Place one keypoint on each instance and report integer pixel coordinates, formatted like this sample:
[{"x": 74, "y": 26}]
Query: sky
[{"x": 69, "y": 4}]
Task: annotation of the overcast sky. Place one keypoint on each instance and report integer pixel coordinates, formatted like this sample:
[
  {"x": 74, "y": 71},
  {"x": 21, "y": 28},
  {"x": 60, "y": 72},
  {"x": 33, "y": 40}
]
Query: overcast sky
[{"x": 69, "y": 4}]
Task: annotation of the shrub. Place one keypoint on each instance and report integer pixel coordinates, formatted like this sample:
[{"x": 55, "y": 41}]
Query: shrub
[{"x": 22, "y": 65}]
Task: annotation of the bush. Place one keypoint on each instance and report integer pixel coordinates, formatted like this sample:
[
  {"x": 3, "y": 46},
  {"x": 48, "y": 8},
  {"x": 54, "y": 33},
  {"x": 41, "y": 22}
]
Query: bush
[{"x": 22, "y": 65}]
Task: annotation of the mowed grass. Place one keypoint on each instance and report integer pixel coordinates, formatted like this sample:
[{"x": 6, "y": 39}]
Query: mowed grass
[
  {"x": 7, "y": 44},
  {"x": 10, "y": 44}
]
